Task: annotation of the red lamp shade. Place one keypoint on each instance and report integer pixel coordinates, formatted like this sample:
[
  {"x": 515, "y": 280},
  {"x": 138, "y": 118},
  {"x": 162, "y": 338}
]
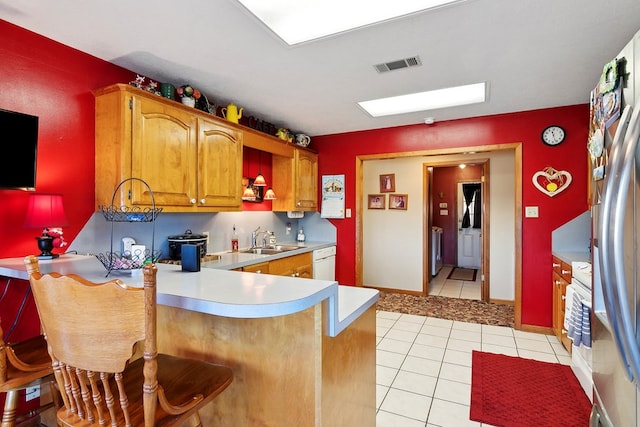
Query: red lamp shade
[{"x": 45, "y": 211}]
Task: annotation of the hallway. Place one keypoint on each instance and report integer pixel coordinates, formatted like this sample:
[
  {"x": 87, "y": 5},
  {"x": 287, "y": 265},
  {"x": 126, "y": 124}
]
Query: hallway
[{"x": 441, "y": 286}]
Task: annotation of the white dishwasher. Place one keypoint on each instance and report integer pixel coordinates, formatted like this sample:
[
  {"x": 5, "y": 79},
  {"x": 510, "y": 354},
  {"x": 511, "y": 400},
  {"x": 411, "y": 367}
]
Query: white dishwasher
[{"x": 324, "y": 263}]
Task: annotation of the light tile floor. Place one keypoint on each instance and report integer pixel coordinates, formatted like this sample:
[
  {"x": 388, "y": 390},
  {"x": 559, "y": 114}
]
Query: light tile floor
[
  {"x": 441, "y": 286},
  {"x": 423, "y": 367}
]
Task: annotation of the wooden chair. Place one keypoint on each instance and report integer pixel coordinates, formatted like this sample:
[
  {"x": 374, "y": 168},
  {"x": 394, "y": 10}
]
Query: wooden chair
[
  {"x": 22, "y": 364},
  {"x": 92, "y": 330}
]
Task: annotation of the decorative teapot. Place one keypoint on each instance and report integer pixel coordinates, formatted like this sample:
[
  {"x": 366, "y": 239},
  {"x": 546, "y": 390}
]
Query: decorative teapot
[
  {"x": 232, "y": 113},
  {"x": 303, "y": 140},
  {"x": 284, "y": 134}
]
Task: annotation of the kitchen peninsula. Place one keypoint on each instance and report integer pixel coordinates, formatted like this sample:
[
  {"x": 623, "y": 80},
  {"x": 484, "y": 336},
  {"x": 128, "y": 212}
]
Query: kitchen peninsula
[{"x": 302, "y": 350}]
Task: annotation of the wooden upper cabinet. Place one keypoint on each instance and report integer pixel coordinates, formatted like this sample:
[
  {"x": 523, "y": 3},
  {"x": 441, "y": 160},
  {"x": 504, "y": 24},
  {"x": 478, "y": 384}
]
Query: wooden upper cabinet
[
  {"x": 191, "y": 161},
  {"x": 295, "y": 181},
  {"x": 163, "y": 153},
  {"x": 219, "y": 164}
]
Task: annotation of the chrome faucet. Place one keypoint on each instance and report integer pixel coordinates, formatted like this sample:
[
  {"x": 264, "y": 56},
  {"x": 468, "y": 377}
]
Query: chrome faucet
[
  {"x": 265, "y": 233},
  {"x": 254, "y": 237}
]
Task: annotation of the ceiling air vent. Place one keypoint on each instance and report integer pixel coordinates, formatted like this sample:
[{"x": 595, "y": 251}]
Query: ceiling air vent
[{"x": 399, "y": 64}]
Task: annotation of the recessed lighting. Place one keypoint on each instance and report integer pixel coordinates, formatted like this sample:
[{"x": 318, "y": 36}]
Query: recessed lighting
[
  {"x": 296, "y": 21},
  {"x": 429, "y": 100}
]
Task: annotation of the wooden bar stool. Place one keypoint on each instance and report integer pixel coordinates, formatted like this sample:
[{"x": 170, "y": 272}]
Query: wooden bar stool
[
  {"x": 92, "y": 330},
  {"x": 22, "y": 365}
]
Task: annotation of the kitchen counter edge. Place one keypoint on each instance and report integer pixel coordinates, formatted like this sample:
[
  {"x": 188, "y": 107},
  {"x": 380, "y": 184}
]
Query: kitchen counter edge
[{"x": 224, "y": 293}]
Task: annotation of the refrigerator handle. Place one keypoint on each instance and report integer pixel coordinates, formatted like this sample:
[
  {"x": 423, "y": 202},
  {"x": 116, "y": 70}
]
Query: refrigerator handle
[
  {"x": 606, "y": 230},
  {"x": 627, "y": 322}
]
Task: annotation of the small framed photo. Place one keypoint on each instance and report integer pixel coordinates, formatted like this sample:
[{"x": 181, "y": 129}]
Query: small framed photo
[
  {"x": 398, "y": 201},
  {"x": 377, "y": 201},
  {"x": 388, "y": 183}
]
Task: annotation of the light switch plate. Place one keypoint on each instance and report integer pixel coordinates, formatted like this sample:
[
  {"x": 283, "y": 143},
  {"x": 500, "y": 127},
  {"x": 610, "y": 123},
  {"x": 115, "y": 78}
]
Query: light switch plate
[{"x": 531, "y": 212}]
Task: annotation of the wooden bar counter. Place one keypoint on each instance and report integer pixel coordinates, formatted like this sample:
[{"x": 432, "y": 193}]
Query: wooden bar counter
[{"x": 302, "y": 351}]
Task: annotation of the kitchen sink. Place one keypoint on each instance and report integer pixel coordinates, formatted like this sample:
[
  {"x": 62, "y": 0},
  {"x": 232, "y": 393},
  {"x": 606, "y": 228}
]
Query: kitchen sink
[{"x": 269, "y": 250}]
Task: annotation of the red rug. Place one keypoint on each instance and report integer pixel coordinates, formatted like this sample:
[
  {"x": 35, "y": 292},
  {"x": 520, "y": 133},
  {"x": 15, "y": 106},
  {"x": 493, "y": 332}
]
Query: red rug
[{"x": 515, "y": 392}]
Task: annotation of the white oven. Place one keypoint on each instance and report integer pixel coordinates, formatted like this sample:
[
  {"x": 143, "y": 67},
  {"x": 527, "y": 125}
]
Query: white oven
[{"x": 578, "y": 310}]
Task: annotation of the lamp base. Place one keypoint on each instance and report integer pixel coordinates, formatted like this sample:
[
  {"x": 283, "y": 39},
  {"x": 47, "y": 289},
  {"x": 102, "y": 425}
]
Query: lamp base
[
  {"x": 49, "y": 256},
  {"x": 45, "y": 244}
]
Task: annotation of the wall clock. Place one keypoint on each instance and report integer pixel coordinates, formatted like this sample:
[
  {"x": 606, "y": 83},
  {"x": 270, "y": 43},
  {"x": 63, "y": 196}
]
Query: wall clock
[{"x": 553, "y": 135}]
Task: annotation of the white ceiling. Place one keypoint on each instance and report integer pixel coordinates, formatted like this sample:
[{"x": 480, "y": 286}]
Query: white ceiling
[{"x": 533, "y": 54}]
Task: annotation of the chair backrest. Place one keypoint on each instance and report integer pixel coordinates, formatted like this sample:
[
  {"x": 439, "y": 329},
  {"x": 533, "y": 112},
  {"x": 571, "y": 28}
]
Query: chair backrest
[{"x": 92, "y": 329}]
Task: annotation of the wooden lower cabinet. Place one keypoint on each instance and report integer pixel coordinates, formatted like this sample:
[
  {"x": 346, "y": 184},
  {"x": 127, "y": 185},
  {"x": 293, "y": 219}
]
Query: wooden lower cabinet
[
  {"x": 286, "y": 371},
  {"x": 260, "y": 268},
  {"x": 296, "y": 266},
  {"x": 561, "y": 278}
]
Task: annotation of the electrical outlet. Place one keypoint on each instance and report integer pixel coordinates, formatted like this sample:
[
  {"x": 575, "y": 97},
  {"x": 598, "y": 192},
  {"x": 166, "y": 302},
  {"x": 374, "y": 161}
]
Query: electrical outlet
[
  {"x": 32, "y": 393},
  {"x": 206, "y": 233}
]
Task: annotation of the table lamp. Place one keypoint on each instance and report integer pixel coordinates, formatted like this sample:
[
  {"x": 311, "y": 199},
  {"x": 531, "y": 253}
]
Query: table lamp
[{"x": 45, "y": 211}]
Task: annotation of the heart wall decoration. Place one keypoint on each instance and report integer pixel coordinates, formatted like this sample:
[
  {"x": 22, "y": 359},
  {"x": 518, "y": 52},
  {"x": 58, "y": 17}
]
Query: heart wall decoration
[{"x": 550, "y": 181}]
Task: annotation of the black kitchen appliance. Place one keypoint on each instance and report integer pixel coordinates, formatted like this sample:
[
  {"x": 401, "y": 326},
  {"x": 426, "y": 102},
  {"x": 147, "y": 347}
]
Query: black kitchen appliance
[{"x": 188, "y": 238}]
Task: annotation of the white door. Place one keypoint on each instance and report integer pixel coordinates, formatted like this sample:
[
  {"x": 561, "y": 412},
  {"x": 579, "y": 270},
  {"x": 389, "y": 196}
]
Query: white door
[{"x": 469, "y": 236}]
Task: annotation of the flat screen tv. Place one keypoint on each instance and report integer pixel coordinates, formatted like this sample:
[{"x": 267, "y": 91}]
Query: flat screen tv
[{"x": 19, "y": 146}]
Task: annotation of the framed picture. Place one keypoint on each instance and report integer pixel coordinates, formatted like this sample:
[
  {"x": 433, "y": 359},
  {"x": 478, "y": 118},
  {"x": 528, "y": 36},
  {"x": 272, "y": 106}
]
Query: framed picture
[
  {"x": 398, "y": 201},
  {"x": 388, "y": 183},
  {"x": 377, "y": 201}
]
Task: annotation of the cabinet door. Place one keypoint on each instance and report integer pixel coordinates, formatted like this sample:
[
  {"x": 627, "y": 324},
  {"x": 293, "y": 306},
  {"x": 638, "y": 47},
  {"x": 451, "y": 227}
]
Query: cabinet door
[
  {"x": 219, "y": 165},
  {"x": 307, "y": 180},
  {"x": 296, "y": 265},
  {"x": 295, "y": 181},
  {"x": 163, "y": 153},
  {"x": 260, "y": 268}
]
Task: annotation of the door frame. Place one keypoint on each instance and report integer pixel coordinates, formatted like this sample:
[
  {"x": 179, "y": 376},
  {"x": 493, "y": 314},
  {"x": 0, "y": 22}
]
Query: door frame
[
  {"x": 516, "y": 147},
  {"x": 429, "y": 208}
]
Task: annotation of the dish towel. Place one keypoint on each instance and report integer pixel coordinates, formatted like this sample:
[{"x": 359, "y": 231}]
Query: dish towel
[
  {"x": 580, "y": 321},
  {"x": 568, "y": 305}
]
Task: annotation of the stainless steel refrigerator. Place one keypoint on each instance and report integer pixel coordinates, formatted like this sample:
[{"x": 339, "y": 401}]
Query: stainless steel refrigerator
[{"x": 615, "y": 200}]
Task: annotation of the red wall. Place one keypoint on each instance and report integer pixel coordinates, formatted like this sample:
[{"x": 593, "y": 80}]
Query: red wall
[
  {"x": 338, "y": 156},
  {"x": 53, "y": 82}
]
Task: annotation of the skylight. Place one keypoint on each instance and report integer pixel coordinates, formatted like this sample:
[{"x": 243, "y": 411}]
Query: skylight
[
  {"x": 297, "y": 21},
  {"x": 423, "y": 101}
]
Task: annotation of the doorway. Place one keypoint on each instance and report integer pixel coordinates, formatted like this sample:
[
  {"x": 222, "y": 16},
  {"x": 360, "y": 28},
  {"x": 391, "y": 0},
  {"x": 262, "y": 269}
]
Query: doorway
[
  {"x": 469, "y": 254},
  {"x": 392, "y": 248},
  {"x": 457, "y": 201}
]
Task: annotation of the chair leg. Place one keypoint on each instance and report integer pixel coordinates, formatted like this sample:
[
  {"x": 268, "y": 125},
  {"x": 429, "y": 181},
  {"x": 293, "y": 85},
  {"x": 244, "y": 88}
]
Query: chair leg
[
  {"x": 10, "y": 405},
  {"x": 194, "y": 420}
]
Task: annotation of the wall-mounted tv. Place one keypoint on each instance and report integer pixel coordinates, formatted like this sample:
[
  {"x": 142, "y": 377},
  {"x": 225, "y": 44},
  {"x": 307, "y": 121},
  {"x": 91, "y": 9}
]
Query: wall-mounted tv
[{"x": 19, "y": 146}]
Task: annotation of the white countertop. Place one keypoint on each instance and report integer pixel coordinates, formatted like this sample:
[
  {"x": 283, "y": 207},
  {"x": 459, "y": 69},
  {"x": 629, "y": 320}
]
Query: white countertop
[
  {"x": 223, "y": 293},
  {"x": 230, "y": 260}
]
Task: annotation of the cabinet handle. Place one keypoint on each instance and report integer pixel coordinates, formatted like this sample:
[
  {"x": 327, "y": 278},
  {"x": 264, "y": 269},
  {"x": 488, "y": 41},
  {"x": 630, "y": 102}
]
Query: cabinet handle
[
  {"x": 566, "y": 271},
  {"x": 564, "y": 297},
  {"x": 193, "y": 201},
  {"x": 558, "y": 282},
  {"x": 202, "y": 201},
  {"x": 258, "y": 271},
  {"x": 555, "y": 265}
]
